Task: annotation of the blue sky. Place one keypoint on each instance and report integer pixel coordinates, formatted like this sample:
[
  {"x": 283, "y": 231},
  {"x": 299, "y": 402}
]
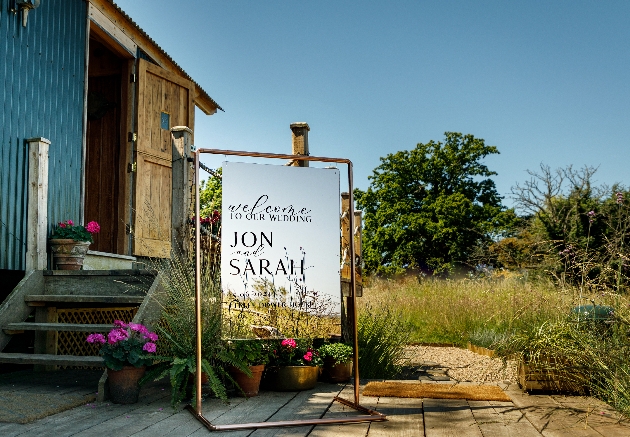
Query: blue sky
[{"x": 545, "y": 82}]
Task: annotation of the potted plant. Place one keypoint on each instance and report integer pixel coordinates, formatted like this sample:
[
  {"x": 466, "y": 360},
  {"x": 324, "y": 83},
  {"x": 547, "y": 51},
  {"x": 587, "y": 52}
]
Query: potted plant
[
  {"x": 337, "y": 361},
  {"x": 126, "y": 351},
  {"x": 69, "y": 244},
  {"x": 254, "y": 354},
  {"x": 295, "y": 366}
]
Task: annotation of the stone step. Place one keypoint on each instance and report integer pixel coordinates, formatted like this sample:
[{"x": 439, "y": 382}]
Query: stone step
[
  {"x": 18, "y": 328},
  {"x": 98, "y": 282},
  {"x": 37, "y": 300},
  {"x": 54, "y": 360}
]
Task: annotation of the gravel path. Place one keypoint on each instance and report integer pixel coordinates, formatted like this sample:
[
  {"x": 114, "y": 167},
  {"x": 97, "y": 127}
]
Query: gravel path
[{"x": 455, "y": 364}]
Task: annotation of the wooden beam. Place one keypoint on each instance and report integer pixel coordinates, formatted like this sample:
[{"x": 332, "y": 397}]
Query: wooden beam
[
  {"x": 150, "y": 47},
  {"x": 107, "y": 31}
]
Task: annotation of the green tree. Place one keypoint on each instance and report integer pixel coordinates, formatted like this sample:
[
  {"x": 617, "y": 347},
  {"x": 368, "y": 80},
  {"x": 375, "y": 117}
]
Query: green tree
[
  {"x": 429, "y": 207},
  {"x": 210, "y": 193}
]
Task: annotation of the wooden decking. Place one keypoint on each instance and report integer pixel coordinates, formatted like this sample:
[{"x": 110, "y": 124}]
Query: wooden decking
[{"x": 527, "y": 416}]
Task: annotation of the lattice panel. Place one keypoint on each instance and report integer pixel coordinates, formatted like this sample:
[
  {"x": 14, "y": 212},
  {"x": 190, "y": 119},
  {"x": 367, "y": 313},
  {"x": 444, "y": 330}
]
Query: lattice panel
[{"x": 73, "y": 343}]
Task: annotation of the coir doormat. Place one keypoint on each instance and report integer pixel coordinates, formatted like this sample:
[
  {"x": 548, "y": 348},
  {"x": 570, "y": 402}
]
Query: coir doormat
[
  {"x": 26, "y": 396},
  {"x": 435, "y": 391}
]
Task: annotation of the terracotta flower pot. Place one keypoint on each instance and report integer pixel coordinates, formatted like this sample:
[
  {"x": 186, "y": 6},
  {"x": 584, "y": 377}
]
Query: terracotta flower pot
[
  {"x": 68, "y": 254},
  {"x": 123, "y": 384},
  {"x": 292, "y": 378},
  {"x": 340, "y": 372},
  {"x": 249, "y": 384}
]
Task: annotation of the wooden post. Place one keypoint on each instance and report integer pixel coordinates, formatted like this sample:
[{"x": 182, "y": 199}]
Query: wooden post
[
  {"x": 346, "y": 302},
  {"x": 182, "y": 141},
  {"x": 299, "y": 142},
  {"x": 347, "y": 309},
  {"x": 358, "y": 255},
  {"x": 46, "y": 341},
  {"x": 37, "y": 213}
]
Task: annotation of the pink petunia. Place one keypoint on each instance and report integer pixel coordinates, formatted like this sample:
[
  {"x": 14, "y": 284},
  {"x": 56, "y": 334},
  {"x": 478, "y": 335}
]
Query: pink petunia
[
  {"x": 93, "y": 228},
  {"x": 149, "y": 347}
]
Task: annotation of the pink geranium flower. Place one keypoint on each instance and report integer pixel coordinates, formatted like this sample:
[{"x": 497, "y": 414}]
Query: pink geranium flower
[
  {"x": 151, "y": 336},
  {"x": 308, "y": 356},
  {"x": 120, "y": 324},
  {"x": 289, "y": 342},
  {"x": 93, "y": 228},
  {"x": 116, "y": 335},
  {"x": 149, "y": 347},
  {"x": 96, "y": 338}
]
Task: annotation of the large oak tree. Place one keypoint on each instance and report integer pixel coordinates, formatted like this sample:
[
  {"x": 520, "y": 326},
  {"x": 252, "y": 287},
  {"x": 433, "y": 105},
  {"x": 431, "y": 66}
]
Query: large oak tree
[{"x": 428, "y": 207}]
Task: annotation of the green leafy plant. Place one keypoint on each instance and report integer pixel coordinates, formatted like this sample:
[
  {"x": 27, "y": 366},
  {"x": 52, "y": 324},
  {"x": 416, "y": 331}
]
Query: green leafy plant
[
  {"x": 126, "y": 345},
  {"x": 339, "y": 352},
  {"x": 177, "y": 329},
  {"x": 381, "y": 337},
  {"x": 249, "y": 352},
  {"x": 68, "y": 230}
]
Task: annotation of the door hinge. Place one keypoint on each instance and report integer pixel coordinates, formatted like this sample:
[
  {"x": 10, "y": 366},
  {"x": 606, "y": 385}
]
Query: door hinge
[
  {"x": 132, "y": 136},
  {"x": 132, "y": 167},
  {"x": 128, "y": 229},
  {"x": 132, "y": 78}
]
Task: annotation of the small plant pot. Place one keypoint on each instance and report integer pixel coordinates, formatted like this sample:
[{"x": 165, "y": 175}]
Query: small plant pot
[
  {"x": 249, "y": 385},
  {"x": 68, "y": 254},
  {"x": 123, "y": 384},
  {"x": 291, "y": 378},
  {"x": 340, "y": 372}
]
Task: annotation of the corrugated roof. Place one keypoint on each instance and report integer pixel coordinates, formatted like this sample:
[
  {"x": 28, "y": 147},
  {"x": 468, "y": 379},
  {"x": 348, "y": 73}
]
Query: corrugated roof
[{"x": 161, "y": 50}]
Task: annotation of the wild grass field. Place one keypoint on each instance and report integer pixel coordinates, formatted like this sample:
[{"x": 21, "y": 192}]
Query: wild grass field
[{"x": 536, "y": 321}]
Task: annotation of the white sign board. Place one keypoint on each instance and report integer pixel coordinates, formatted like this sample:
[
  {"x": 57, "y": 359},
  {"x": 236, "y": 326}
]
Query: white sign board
[{"x": 281, "y": 224}]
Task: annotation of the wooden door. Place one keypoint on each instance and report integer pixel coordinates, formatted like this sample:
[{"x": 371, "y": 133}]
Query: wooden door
[{"x": 164, "y": 100}]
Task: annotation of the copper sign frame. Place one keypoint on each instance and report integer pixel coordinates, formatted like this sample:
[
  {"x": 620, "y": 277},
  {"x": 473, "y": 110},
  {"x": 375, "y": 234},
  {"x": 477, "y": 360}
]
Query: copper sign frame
[{"x": 370, "y": 415}]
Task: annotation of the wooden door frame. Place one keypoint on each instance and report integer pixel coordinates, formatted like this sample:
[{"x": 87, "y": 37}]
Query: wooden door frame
[{"x": 105, "y": 31}]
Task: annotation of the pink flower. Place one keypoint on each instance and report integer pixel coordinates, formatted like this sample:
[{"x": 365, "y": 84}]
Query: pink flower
[
  {"x": 120, "y": 324},
  {"x": 149, "y": 347},
  {"x": 62, "y": 225},
  {"x": 70, "y": 222},
  {"x": 116, "y": 335},
  {"x": 308, "y": 356},
  {"x": 95, "y": 338},
  {"x": 289, "y": 342},
  {"x": 151, "y": 336},
  {"x": 139, "y": 328},
  {"x": 93, "y": 228}
]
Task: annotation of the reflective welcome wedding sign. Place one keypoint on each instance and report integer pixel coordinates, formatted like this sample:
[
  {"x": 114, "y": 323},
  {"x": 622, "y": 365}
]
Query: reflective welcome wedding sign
[{"x": 280, "y": 231}]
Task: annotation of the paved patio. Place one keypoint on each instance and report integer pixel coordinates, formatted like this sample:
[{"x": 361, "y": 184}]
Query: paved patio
[{"x": 526, "y": 416}]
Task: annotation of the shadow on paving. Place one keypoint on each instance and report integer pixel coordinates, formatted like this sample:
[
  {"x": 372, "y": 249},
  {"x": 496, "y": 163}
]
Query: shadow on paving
[{"x": 27, "y": 395}]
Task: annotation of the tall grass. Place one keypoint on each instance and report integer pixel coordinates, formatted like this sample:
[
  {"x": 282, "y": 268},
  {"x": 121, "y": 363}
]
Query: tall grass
[{"x": 458, "y": 311}]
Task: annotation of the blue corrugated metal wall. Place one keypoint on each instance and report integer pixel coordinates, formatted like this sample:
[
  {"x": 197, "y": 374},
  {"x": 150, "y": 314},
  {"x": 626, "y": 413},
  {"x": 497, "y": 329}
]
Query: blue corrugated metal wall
[{"x": 42, "y": 78}]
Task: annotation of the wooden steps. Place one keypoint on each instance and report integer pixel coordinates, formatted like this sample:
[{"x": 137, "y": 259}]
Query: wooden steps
[
  {"x": 40, "y": 300},
  {"x": 47, "y": 359},
  {"x": 15, "y": 328},
  {"x": 56, "y": 305}
]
